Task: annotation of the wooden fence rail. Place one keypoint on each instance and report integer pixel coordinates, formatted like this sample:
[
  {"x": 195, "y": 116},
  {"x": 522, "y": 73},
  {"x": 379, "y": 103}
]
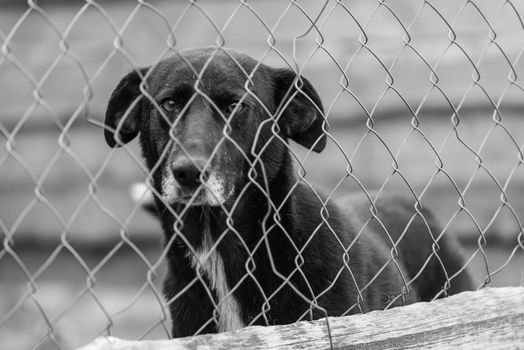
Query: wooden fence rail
[{"x": 491, "y": 318}]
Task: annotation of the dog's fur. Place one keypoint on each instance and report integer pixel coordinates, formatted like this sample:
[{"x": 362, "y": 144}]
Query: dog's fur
[{"x": 248, "y": 242}]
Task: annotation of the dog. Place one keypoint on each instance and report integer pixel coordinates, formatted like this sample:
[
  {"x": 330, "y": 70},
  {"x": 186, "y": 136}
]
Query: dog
[{"x": 248, "y": 242}]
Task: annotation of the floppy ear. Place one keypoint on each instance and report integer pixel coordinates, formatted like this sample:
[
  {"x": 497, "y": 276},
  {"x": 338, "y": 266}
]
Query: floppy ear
[
  {"x": 124, "y": 112},
  {"x": 303, "y": 116}
]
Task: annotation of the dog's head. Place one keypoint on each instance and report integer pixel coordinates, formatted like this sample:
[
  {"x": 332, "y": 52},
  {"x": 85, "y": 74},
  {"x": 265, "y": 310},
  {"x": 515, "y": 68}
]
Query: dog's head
[{"x": 206, "y": 115}]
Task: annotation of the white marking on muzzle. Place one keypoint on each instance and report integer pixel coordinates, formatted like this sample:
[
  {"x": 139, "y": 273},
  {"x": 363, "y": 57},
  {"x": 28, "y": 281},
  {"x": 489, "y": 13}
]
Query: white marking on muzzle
[
  {"x": 214, "y": 190},
  {"x": 169, "y": 187},
  {"x": 210, "y": 263}
]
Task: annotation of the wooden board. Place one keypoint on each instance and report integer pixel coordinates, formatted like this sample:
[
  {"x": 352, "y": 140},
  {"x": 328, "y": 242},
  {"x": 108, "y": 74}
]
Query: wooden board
[{"x": 491, "y": 318}]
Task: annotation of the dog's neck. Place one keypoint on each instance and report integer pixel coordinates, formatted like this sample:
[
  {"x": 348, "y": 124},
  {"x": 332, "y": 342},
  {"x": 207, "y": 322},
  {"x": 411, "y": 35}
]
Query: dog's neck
[
  {"x": 222, "y": 242},
  {"x": 208, "y": 263}
]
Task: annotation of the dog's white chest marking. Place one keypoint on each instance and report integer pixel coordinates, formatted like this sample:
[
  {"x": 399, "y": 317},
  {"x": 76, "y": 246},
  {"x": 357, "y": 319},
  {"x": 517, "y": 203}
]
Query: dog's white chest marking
[{"x": 210, "y": 264}]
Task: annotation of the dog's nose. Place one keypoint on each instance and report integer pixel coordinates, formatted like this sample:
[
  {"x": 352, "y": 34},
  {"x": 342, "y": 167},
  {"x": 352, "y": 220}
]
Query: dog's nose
[{"x": 188, "y": 171}]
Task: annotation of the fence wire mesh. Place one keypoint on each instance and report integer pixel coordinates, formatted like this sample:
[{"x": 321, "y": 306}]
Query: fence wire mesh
[{"x": 421, "y": 97}]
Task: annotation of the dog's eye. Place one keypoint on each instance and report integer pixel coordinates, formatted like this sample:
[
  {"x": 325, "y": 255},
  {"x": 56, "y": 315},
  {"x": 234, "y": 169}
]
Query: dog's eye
[
  {"x": 236, "y": 106},
  {"x": 169, "y": 105}
]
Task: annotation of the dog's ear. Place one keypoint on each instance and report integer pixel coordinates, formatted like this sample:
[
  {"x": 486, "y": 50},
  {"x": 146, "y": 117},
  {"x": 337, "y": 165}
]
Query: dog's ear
[
  {"x": 123, "y": 112},
  {"x": 302, "y": 118}
]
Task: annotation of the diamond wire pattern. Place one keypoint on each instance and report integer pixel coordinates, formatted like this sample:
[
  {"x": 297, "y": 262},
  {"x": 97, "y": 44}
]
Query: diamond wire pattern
[{"x": 316, "y": 22}]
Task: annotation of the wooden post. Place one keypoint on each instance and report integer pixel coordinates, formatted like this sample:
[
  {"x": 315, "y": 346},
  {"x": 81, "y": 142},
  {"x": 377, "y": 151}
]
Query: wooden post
[{"x": 491, "y": 318}]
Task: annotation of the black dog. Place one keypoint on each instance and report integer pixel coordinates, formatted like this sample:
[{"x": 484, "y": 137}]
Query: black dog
[{"x": 249, "y": 243}]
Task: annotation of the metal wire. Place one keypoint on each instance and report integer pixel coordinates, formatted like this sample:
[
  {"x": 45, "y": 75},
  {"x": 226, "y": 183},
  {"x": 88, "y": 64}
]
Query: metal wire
[{"x": 379, "y": 38}]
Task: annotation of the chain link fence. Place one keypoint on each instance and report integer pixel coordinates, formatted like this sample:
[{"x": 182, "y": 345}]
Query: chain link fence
[{"x": 422, "y": 97}]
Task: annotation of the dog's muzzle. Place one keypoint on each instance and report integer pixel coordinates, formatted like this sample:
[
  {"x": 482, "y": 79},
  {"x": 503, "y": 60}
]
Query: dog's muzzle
[
  {"x": 189, "y": 173},
  {"x": 188, "y": 181}
]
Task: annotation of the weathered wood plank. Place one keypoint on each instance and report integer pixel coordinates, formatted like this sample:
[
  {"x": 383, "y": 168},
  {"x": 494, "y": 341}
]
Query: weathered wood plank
[{"x": 492, "y": 318}]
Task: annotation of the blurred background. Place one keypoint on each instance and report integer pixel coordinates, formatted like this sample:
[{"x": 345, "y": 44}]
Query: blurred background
[{"x": 422, "y": 97}]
